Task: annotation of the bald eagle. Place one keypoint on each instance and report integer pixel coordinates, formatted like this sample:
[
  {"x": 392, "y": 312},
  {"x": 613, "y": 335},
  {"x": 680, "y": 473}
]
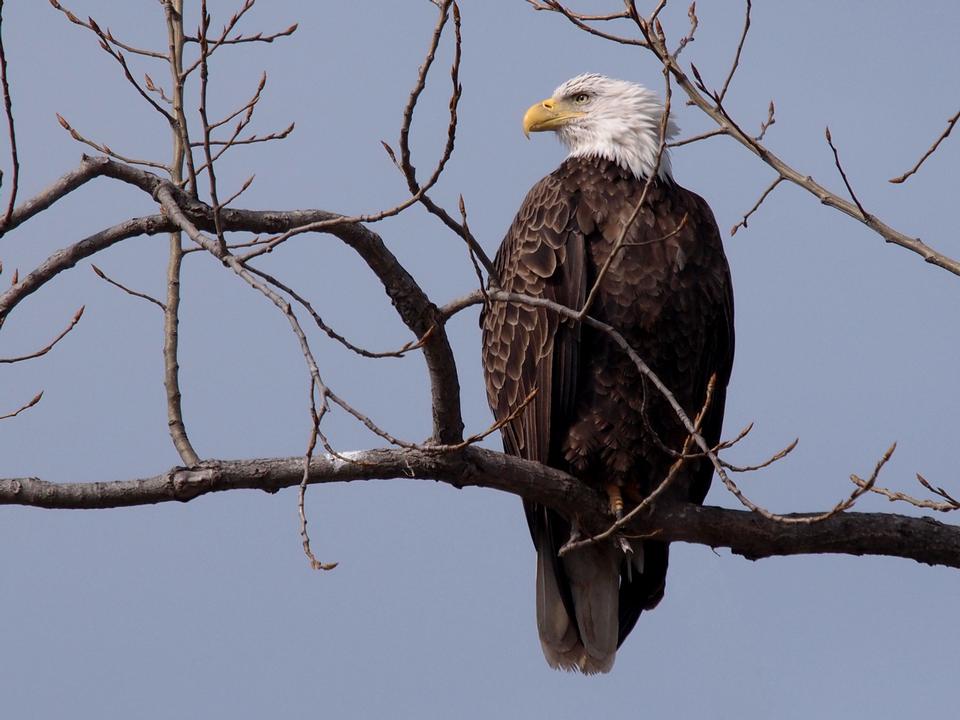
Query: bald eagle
[{"x": 594, "y": 415}]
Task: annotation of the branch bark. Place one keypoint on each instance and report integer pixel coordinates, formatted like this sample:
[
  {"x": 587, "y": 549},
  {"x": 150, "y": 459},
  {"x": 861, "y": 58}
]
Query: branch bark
[{"x": 745, "y": 533}]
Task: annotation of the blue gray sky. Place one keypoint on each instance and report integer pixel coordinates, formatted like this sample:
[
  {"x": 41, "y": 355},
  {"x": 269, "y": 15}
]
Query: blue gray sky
[{"x": 209, "y": 609}]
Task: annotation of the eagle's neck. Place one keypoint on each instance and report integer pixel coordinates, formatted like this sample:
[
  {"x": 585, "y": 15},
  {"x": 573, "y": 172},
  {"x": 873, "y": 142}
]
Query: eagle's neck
[
  {"x": 631, "y": 150},
  {"x": 631, "y": 140}
]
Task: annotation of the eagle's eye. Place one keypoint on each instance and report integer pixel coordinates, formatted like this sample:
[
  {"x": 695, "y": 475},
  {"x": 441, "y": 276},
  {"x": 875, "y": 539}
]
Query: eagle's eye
[{"x": 581, "y": 98}]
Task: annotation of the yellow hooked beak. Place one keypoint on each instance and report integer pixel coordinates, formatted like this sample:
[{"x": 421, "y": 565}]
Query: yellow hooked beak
[{"x": 548, "y": 114}]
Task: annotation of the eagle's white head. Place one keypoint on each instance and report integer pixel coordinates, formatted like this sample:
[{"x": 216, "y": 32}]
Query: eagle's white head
[{"x": 597, "y": 116}]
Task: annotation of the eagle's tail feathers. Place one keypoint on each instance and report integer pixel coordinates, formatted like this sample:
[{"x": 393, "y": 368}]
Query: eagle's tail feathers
[
  {"x": 558, "y": 633},
  {"x": 594, "y": 575},
  {"x": 587, "y": 642}
]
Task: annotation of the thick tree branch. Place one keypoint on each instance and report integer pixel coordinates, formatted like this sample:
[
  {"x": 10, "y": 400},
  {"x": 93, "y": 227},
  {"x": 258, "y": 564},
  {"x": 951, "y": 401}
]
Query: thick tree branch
[
  {"x": 89, "y": 169},
  {"x": 69, "y": 256},
  {"x": 745, "y": 533}
]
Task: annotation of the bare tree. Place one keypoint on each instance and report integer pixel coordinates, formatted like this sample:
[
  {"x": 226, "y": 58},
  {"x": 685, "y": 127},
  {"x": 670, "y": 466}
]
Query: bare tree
[{"x": 199, "y": 214}]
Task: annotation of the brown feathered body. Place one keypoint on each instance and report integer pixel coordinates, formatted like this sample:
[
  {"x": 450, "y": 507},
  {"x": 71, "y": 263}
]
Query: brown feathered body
[{"x": 595, "y": 416}]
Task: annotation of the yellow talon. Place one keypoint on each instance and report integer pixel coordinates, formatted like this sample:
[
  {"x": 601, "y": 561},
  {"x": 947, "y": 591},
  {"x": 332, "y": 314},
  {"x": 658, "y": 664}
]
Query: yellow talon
[{"x": 616, "y": 500}]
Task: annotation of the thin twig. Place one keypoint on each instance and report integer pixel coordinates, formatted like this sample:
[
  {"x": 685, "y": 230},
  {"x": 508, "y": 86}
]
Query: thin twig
[
  {"x": 204, "y": 73},
  {"x": 756, "y": 206},
  {"x": 736, "y": 58},
  {"x": 256, "y": 37},
  {"x": 329, "y": 331},
  {"x": 938, "y": 491},
  {"x": 689, "y": 37},
  {"x": 238, "y": 193},
  {"x": 406, "y": 166},
  {"x": 119, "y": 57},
  {"x": 473, "y": 256},
  {"x": 103, "y": 276},
  {"x": 11, "y": 130},
  {"x": 949, "y": 505},
  {"x": 246, "y": 107},
  {"x": 235, "y": 18},
  {"x": 696, "y": 138},
  {"x": 578, "y": 20},
  {"x": 302, "y": 494},
  {"x": 765, "y": 125},
  {"x": 936, "y": 143},
  {"x": 105, "y": 149},
  {"x": 779, "y": 455},
  {"x": 29, "y": 404},
  {"x": 836, "y": 160},
  {"x": 108, "y": 35},
  {"x": 698, "y": 95},
  {"x": 591, "y": 18},
  {"x": 49, "y": 346},
  {"x": 473, "y": 439},
  {"x": 418, "y": 192},
  {"x": 154, "y": 88},
  {"x": 725, "y": 444},
  {"x": 251, "y": 140}
]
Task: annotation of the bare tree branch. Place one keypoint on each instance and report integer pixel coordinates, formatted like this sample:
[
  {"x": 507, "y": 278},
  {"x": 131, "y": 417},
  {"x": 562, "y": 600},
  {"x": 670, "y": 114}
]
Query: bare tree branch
[
  {"x": 88, "y": 170},
  {"x": 69, "y": 256},
  {"x": 418, "y": 191},
  {"x": 173, "y": 12},
  {"x": 745, "y": 533},
  {"x": 413, "y": 306},
  {"x": 581, "y": 22}
]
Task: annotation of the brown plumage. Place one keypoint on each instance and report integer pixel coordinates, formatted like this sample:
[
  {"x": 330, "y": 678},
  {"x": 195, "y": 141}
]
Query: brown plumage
[{"x": 594, "y": 416}]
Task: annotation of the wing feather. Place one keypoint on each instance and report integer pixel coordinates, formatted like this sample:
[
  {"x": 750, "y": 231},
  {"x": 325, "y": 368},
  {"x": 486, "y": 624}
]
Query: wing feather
[{"x": 527, "y": 348}]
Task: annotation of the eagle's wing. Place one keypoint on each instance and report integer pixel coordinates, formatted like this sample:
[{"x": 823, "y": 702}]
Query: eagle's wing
[
  {"x": 717, "y": 346},
  {"x": 529, "y": 348}
]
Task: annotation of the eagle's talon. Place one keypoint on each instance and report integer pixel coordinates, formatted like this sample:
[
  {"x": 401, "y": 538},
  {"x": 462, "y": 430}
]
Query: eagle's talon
[{"x": 616, "y": 500}]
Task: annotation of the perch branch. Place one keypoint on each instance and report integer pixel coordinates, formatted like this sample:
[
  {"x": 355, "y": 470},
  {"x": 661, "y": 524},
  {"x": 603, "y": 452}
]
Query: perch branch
[{"x": 745, "y": 533}]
